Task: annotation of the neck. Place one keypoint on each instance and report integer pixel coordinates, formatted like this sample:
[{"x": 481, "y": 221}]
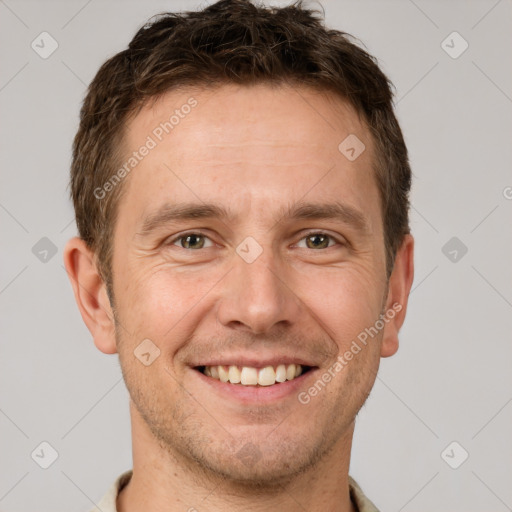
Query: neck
[{"x": 164, "y": 481}]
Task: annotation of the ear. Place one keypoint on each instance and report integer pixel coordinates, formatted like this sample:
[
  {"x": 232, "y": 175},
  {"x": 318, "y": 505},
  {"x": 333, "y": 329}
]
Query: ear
[
  {"x": 90, "y": 294},
  {"x": 399, "y": 287}
]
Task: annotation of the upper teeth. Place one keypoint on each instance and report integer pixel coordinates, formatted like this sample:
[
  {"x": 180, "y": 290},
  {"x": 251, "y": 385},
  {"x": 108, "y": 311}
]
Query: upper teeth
[{"x": 249, "y": 376}]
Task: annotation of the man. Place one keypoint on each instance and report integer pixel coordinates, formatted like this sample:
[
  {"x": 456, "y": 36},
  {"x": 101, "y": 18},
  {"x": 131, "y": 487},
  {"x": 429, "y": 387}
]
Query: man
[{"x": 241, "y": 184}]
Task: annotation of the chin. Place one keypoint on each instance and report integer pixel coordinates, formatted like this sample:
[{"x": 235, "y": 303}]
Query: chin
[{"x": 257, "y": 463}]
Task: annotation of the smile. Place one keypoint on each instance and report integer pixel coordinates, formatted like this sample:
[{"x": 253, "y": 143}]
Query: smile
[{"x": 251, "y": 376}]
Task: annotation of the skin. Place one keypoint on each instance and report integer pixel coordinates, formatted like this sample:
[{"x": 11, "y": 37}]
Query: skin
[{"x": 256, "y": 151}]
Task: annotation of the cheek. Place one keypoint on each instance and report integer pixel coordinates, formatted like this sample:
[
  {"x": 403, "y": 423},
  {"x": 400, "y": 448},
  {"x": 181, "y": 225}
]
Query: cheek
[
  {"x": 345, "y": 301},
  {"x": 158, "y": 299}
]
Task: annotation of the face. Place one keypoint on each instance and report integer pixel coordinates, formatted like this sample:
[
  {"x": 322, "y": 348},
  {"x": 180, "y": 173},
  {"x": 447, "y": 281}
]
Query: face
[{"x": 246, "y": 238}]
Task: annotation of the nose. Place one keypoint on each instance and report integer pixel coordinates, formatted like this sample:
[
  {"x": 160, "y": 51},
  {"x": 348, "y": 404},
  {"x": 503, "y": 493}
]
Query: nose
[{"x": 258, "y": 296}]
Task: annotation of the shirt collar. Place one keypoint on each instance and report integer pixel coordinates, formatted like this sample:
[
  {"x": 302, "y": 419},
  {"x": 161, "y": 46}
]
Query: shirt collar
[{"x": 108, "y": 502}]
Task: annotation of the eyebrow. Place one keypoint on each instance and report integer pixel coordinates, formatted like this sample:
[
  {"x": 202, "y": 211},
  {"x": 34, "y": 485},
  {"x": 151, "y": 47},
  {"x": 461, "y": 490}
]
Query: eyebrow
[
  {"x": 328, "y": 211},
  {"x": 175, "y": 213}
]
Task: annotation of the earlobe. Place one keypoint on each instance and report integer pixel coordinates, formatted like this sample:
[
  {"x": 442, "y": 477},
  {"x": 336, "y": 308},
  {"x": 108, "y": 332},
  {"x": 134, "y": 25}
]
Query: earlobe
[
  {"x": 400, "y": 283},
  {"x": 90, "y": 294}
]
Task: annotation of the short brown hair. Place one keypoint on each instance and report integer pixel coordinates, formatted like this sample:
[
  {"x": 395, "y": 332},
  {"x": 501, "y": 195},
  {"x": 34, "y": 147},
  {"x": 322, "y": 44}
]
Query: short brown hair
[{"x": 231, "y": 41}]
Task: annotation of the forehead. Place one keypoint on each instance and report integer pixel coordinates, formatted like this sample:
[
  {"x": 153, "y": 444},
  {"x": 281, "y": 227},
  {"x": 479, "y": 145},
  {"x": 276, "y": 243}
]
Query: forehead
[
  {"x": 229, "y": 115},
  {"x": 252, "y": 147}
]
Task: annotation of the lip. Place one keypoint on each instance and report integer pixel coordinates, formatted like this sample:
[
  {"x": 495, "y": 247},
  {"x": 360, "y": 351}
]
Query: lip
[
  {"x": 262, "y": 395},
  {"x": 258, "y": 361}
]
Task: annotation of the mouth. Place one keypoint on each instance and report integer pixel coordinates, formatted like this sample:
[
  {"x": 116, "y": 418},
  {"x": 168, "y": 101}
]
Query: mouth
[{"x": 266, "y": 376}]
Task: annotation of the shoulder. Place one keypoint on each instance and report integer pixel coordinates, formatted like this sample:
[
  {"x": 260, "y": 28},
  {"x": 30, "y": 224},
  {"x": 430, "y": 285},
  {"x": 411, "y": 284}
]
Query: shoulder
[
  {"x": 108, "y": 502},
  {"x": 357, "y": 495}
]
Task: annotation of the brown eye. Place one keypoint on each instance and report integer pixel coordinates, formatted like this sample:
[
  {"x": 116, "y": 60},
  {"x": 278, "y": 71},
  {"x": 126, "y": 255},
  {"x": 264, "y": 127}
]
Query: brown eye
[
  {"x": 318, "y": 241},
  {"x": 192, "y": 241}
]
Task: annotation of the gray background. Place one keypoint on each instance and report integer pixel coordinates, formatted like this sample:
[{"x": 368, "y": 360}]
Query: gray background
[{"x": 450, "y": 380}]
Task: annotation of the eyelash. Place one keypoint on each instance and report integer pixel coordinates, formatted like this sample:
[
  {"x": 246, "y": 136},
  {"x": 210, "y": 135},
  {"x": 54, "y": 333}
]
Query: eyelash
[{"x": 184, "y": 235}]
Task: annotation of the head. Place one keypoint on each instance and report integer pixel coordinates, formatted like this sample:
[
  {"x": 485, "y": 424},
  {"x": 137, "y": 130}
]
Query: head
[{"x": 282, "y": 133}]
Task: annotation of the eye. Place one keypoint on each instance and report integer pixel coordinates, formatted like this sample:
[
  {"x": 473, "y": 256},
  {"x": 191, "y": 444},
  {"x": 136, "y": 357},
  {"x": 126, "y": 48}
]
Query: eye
[
  {"x": 318, "y": 240},
  {"x": 195, "y": 241},
  {"x": 191, "y": 241}
]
